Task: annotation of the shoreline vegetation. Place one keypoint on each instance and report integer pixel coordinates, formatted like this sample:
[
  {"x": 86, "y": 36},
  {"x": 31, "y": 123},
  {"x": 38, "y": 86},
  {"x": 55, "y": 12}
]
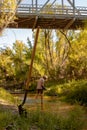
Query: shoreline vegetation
[{"x": 56, "y": 114}]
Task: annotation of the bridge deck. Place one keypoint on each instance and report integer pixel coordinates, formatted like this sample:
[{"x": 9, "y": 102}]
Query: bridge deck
[{"x": 52, "y": 18}]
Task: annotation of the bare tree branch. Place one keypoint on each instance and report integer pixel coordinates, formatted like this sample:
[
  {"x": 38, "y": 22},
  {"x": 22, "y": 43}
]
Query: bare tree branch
[{"x": 19, "y": 1}]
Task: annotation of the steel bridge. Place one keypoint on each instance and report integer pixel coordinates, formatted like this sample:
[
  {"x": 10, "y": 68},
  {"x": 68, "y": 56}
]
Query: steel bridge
[
  {"x": 47, "y": 16},
  {"x": 50, "y": 15}
]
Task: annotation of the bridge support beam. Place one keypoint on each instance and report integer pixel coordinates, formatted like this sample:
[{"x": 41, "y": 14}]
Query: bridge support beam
[
  {"x": 36, "y": 5},
  {"x": 44, "y": 5},
  {"x": 53, "y": 3},
  {"x": 35, "y": 23},
  {"x": 69, "y": 24},
  {"x": 62, "y": 5},
  {"x": 30, "y": 68},
  {"x": 32, "y": 59},
  {"x": 73, "y": 5}
]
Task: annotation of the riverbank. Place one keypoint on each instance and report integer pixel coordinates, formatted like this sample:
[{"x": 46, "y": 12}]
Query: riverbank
[{"x": 54, "y": 110}]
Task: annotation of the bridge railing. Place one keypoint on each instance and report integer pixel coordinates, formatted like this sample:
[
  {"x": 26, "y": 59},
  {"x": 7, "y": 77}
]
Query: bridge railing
[
  {"x": 28, "y": 9},
  {"x": 55, "y": 10}
]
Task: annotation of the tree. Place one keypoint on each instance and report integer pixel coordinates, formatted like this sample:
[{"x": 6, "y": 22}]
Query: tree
[
  {"x": 7, "y": 12},
  {"x": 19, "y": 60},
  {"x": 6, "y": 69},
  {"x": 78, "y": 56}
]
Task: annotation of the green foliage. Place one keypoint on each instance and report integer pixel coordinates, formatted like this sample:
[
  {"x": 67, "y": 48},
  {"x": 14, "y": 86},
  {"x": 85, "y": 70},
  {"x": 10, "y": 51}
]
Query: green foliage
[
  {"x": 7, "y": 13},
  {"x": 61, "y": 60},
  {"x": 6, "y": 96},
  {"x": 79, "y": 94},
  {"x": 5, "y": 119},
  {"x": 75, "y": 91},
  {"x": 32, "y": 87},
  {"x": 52, "y": 92},
  {"x": 74, "y": 121},
  {"x": 52, "y": 88},
  {"x": 77, "y": 59},
  {"x": 19, "y": 60},
  {"x": 44, "y": 120}
]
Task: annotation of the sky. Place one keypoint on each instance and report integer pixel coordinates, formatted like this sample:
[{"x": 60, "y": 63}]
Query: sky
[
  {"x": 11, "y": 35},
  {"x": 77, "y": 2}
]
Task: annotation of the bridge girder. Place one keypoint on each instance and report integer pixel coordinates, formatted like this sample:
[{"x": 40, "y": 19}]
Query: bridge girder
[{"x": 52, "y": 17}]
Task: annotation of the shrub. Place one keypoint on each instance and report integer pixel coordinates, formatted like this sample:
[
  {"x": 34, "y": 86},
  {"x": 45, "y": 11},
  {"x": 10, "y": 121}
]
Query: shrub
[
  {"x": 32, "y": 87},
  {"x": 52, "y": 92},
  {"x": 76, "y": 91},
  {"x": 5, "y": 95}
]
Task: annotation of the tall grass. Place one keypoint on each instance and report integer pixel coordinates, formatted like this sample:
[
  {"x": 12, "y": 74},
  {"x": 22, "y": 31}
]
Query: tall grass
[
  {"x": 5, "y": 119},
  {"x": 43, "y": 120}
]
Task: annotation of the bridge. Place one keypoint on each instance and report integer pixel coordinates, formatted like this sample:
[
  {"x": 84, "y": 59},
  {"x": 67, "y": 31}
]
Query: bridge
[
  {"x": 50, "y": 15},
  {"x": 47, "y": 16}
]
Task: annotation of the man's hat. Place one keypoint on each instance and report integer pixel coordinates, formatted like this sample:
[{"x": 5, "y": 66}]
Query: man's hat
[{"x": 45, "y": 77}]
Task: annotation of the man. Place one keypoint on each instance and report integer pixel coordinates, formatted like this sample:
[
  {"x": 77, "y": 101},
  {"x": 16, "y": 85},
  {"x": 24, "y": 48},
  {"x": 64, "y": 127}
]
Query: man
[{"x": 40, "y": 87}]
